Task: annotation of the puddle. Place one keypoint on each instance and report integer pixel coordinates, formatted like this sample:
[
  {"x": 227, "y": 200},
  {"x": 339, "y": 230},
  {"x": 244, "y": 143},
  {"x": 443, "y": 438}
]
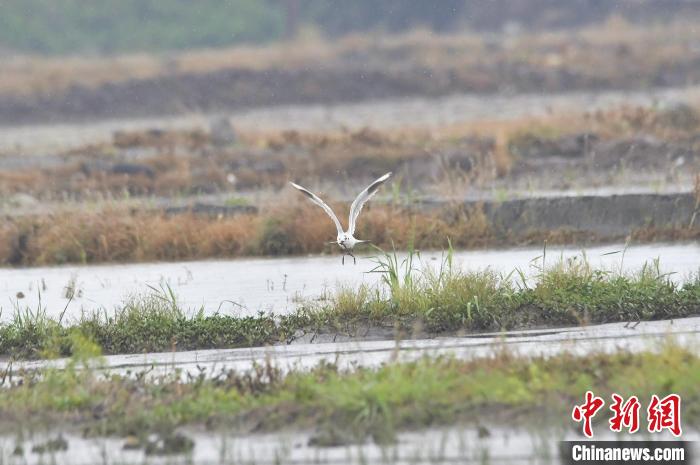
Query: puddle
[{"x": 247, "y": 286}]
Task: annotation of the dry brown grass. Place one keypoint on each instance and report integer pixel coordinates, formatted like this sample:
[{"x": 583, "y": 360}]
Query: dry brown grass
[
  {"x": 162, "y": 140},
  {"x": 665, "y": 234},
  {"x": 122, "y": 235},
  {"x": 185, "y": 162},
  {"x": 626, "y": 123},
  {"x": 456, "y": 157},
  {"x": 502, "y": 158},
  {"x": 26, "y": 75},
  {"x": 117, "y": 235}
]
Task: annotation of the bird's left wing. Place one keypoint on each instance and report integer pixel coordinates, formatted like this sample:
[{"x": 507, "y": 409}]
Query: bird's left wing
[{"x": 362, "y": 198}]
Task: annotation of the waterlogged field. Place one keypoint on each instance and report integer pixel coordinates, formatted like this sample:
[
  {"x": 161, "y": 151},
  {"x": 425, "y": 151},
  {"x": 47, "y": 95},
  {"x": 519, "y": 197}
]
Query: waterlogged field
[
  {"x": 451, "y": 370},
  {"x": 464, "y": 409},
  {"x": 247, "y": 286},
  {"x": 409, "y": 298}
]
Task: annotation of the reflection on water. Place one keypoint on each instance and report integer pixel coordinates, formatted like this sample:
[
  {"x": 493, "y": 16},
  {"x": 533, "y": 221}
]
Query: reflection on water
[
  {"x": 463, "y": 444},
  {"x": 246, "y": 286}
]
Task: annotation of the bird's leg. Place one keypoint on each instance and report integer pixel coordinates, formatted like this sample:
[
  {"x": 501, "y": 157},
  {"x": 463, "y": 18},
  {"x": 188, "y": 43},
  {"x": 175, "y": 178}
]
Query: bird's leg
[
  {"x": 354, "y": 261},
  {"x": 343, "y": 259}
]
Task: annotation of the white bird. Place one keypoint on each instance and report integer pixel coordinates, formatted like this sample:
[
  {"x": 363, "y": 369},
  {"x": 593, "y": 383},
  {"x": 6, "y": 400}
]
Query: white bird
[{"x": 345, "y": 240}]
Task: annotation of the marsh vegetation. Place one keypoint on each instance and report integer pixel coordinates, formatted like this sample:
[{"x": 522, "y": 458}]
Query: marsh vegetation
[
  {"x": 349, "y": 405},
  {"x": 408, "y": 302}
]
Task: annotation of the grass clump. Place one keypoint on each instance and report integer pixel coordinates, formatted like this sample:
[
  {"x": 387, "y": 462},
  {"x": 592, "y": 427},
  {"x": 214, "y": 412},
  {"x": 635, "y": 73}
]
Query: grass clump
[
  {"x": 361, "y": 402},
  {"x": 411, "y": 298},
  {"x": 149, "y": 323},
  {"x": 569, "y": 293}
]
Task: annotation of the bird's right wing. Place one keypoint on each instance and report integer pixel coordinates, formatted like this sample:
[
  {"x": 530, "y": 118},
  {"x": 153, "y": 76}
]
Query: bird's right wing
[{"x": 315, "y": 199}]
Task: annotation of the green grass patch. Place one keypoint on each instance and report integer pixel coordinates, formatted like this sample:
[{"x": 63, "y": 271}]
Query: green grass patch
[
  {"x": 360, "y": 402},
  {"x": 237, "y": 202},
  {"x": 408, "y": 300},
  {"x": 149, "y": 323}
]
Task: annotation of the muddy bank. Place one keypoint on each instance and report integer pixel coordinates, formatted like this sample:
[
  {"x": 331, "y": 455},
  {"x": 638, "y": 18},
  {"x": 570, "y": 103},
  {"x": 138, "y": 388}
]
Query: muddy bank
[{"x": 595, "y": 216}]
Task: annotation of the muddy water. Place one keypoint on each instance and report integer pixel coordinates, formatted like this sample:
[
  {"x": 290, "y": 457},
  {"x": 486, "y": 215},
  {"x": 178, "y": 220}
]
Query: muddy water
[
  {"x": 246, "y": 286},
  {"x": 390, "y": 113}
]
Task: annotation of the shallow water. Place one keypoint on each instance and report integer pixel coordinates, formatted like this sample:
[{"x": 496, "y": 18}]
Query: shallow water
[
  {"x": 457, "y": 444},
  {"x": 246, "y": 286}
]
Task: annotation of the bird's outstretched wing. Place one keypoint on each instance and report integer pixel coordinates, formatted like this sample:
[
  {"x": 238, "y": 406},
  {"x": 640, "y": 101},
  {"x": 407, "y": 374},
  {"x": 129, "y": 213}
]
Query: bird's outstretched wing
[
  {"x": 315, "y": 199},
  {"x": 362, "y": 198}
]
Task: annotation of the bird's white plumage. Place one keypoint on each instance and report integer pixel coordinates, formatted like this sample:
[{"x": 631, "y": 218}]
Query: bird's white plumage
[
  {"x": 361, "y": 199},
  {"x": 346, "y": 241},
  {"x": 317, "y": 200}
]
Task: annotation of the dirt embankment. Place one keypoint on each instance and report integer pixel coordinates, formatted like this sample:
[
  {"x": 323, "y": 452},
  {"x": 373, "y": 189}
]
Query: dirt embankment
[{"x": 601, "y": 216}]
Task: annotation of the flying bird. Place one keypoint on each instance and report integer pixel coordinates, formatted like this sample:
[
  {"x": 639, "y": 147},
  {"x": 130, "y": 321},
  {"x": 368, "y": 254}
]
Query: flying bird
[{"x": 345, "y": 239}]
